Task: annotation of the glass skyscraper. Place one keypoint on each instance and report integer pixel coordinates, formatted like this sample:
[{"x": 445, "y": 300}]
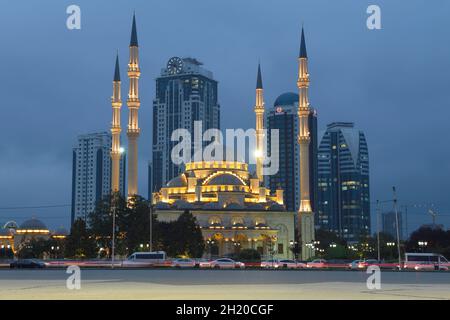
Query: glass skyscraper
[
  {"x": 185, "y": 92},
  {"x": 283, "y": 117},
  {"x": 343, "y": 181},
  {"x": 91, "y": 172}
]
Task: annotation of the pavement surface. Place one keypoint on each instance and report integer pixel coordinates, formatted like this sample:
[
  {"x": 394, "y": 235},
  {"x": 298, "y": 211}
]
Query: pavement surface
[{"x": 221, "y": 284}]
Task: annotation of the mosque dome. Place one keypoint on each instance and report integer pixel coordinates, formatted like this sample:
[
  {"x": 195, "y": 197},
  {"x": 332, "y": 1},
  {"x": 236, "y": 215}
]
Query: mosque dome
[
  {"x": 60, "y": 232},
  {"x": 182, "y": 204},
  {"x": 177, "y": 182},
  {"x": 234, "y": 206},
  {"x": 225, "y": 179},
  {"x": 286, "y": 99},
  {"x": 162, "y": 206},
  {"x": 33, "y": 224}
]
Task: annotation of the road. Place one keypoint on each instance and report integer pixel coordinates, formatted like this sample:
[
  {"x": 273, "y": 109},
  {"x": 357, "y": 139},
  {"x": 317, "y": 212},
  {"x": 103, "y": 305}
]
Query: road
[{"x": 221, "y": 284}]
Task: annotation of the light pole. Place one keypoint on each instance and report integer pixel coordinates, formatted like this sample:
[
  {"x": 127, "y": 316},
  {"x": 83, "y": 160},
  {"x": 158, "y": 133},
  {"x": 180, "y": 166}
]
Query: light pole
[
  {"x": 113, "y": 244},
  {"x": 151, "y": 226},
  {"x": 397, "y": 229},
  {"x": 422, "y": 244},
  {"x": 378, "y": 230}
]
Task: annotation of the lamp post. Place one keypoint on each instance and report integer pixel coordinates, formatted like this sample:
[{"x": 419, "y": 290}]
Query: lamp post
[
  {"x": 151, "y": 226},
  {"x": 113, "y": 244},
  {"x": 397, "y": 229},
  {"x": 422, "y": 245}
]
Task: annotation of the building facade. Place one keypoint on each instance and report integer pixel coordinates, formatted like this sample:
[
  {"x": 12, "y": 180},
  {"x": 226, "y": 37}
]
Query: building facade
[
  {"x": 343, "y": 182},
  {"x": 389, "y": 224},
  {"x": 283, "y": 117},
  {"x": 91, "y": 172},
  {"x": 233, "y": 211},
  {"x": 185, "y": 92}
]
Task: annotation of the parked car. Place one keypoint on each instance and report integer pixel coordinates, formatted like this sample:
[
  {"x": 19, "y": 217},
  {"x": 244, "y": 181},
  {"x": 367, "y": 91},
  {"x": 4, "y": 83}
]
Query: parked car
[
  {"x": 27, "y": 263},
  {"x": 198, "y": 262},
  {"x": 183, "y": 263},
  {"x": 427, "y": 266},
  {"x": 317, "y": 264},
  {"x": 269, "y": 264},
  {"x": 223, "y": 263}
]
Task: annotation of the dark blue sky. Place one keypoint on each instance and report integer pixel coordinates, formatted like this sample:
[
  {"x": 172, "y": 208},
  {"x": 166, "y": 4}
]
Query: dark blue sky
[{"x": 393, "y": 83}]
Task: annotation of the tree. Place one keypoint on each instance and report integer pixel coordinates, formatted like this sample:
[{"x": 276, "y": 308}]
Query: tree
[
  {"x": 187, "y": 236},
  {"x": 249, "y": 255},
  {"x": 79, "y": 244},
  {"x": 437, "y": 240},
  {"x": 35, "y": 247}
]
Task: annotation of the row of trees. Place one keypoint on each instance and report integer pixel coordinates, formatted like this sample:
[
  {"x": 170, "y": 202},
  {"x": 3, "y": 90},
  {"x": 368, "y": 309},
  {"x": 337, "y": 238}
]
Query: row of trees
[
  {"x": 330, "y": 246},
  {"x": 93, "y": 238}
]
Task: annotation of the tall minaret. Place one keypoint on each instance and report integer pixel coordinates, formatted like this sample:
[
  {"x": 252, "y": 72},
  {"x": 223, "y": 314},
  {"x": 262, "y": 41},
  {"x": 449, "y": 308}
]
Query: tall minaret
[
  {"x": 116, "y": 102},
  {"x": 306, "y": 216},
  {"x": 259, "y": 111},
  {"x": 133, "y": 106}
]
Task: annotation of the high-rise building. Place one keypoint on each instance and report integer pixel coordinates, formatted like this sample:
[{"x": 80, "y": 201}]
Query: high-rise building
[
  {"x": 343, "y": 181},
  {"x": 185, "y": 92},
  {"x": 91, "y": 172},
  {"x": 389, "y": 224},
  {"x": 283, "y": 117}
]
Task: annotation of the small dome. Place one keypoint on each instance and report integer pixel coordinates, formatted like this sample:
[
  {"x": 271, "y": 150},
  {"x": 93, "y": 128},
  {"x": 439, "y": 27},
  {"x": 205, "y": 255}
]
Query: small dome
[
  {"x": 179, "y": 181},
  {"x": 276, "y": 207},
  {"x": 286, "y": 99},
  {"x": 33, "y": 224},
  {"x": 234, "y": 206},
  {"x": 212, "y": 206},
  {"x": 162, "y": 206},
  {"x": 225, "y": 179},
  {"x": 255, "y": 206},
  {"x": 61, "y": 231},
  {"x": 182, "y": 204}
]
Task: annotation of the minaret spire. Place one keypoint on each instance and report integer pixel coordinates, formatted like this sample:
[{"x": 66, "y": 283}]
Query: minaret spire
[
  {"x": 133, "y": 104},
  {"x": 306, "y": 216},
  {"x": 116, "y": 102},
  {"x": 259, "y": 128}
]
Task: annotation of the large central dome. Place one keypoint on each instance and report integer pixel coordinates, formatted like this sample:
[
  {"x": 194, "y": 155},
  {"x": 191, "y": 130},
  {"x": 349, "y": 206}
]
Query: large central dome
[{"x": 286, "y": 99}]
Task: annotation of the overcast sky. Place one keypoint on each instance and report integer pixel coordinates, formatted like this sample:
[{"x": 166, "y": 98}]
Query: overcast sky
[{"x": 393, "y": 83}]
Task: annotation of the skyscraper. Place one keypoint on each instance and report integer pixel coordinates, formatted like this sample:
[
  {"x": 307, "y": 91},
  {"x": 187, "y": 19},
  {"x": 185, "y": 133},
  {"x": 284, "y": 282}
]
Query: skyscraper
[
  {"x": 389, "y": 224},
  {"x": 283, "y": 117},
  {"x": 185, "y": 92},
  {"x": 343, "y": 169},
  {"x": 91, "y": 172}
]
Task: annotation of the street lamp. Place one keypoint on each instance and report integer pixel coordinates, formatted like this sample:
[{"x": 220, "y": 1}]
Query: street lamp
[
  {"x": 333, "y": 245},
  {"x": 422, "y": 244}
]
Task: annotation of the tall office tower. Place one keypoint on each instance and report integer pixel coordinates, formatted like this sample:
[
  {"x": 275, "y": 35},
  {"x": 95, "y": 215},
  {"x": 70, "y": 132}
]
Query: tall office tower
[
  {"x": 389, "y": 224},
  {"x": 343, "y": 169},
  {"x": 133, "y": 103},
  {"x": 91, "y": 172},
  {"x": 284, "y": 118},
  {"x": 185, "y": 92},
  {"x": 116, "y": 150},
  {"x": 305, "y": 213}
]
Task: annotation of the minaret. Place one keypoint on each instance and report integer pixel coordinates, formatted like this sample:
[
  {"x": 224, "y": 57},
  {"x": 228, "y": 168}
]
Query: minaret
[
  {"x": 116, "y": 102},
  {"x": 133, "y": 104},
  {"x": 306, "y": 216},
  {"x": 259, "y": 111}
]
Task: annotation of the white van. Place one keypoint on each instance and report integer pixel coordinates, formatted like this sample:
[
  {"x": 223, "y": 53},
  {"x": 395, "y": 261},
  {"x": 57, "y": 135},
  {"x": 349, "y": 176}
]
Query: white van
[
  {"x": 145, "y": 259},
  {"x": 426, "y": 261}
]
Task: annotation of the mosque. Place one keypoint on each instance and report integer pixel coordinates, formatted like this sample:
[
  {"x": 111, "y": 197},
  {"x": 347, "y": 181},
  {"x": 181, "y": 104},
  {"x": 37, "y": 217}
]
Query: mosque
[
  {"x": 233, "y": 207},
  {"x": 13, "y": 236}
]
